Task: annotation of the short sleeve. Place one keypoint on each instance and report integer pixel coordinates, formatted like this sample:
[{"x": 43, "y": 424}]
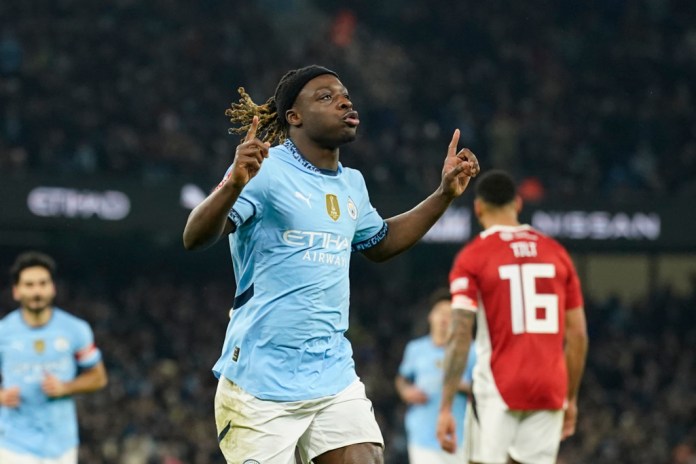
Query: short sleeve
[
  {"x": 371, "y": 228},
  {"x": 249, "y": 205},
  {"x": 463, "y": 282},
  {"x": 86, "y": 353},
  {"x": 407, "y": 368}
]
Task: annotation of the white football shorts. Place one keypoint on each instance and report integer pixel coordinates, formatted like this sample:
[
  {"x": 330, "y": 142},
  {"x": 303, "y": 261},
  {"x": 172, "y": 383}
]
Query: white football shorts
[
  {"x": 493, "y": 433},
  {"x": 420, "y": 455},
  {"x": 252, "y": 430}
]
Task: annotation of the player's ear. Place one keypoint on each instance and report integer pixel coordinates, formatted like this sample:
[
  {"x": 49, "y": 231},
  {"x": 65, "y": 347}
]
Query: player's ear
[
  {"x": 15, "y": 292},
  {"x": 293, "y": 117},
  {"x": 478, "y": 207},
  {"x": 518, "y": 204}
]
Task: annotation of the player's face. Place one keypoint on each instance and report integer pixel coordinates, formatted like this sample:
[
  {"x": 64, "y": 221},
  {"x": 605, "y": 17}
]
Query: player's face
[
  {"x": 35, "y": 290},
  {"x": 441, "y": 317},
  {"x": 325, "y": 112}
]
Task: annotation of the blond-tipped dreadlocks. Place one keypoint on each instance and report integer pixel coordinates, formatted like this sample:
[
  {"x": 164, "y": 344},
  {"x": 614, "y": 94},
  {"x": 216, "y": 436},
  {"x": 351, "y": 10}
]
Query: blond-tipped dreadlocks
[
  {"x": 273, "y": 127},
  {"x": 242, "y": 113}
]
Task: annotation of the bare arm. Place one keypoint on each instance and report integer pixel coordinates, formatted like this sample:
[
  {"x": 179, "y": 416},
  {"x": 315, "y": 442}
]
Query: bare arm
[
  {"x": 208, "y": 221},
  {"x": 456, "y": 357},
  {"x": 88, "y": 381},
  {"x": 407, "y": 228},
  {"x": 457, "y": 354},
  {"x": 576, "y": 343}
]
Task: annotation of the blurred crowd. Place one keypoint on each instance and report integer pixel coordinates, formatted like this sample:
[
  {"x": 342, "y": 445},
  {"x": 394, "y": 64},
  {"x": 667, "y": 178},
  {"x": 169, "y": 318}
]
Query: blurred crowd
[
  {"x": 576, "y": 98},
  {"x": 160, "y": 336}
]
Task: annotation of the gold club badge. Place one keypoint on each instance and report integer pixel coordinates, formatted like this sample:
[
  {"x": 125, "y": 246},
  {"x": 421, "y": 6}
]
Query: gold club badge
[
  {"x": 39, "y": 346},
  {"x": 332, "y": 206}
]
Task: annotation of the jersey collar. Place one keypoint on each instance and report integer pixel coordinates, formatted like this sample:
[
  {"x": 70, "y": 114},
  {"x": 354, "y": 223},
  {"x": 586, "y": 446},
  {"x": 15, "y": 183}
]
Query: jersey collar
[
  {"x": 305, "y": 164},
  {"x": 495, "y": 229}
]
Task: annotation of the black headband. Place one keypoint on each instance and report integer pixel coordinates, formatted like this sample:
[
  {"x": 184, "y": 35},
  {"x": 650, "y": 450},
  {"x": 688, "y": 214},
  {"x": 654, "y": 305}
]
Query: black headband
[{"x": 290, "y": 86}]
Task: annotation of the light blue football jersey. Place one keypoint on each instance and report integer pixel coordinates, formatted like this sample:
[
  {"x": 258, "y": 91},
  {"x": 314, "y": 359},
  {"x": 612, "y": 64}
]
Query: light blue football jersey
[
  {"x": 296, "y": 226},
  {"x": 42, "y": 426},
  {"x": 422, "y": 366}
]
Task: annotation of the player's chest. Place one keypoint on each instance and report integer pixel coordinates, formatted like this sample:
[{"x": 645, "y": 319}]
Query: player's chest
[
  {"x": 328, "y": 205},
  {"x": 44, "y": 346},
  {"x": 430, "y": 363}
]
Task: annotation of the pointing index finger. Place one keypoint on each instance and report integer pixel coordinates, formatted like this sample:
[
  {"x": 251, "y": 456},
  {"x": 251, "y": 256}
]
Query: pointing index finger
[
  {"x": 452, "y": 149},
  {"x": 251, "y": 135}
]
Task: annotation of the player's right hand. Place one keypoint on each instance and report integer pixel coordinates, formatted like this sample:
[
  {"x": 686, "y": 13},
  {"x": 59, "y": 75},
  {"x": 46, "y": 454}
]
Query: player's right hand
[
  {"x": 414, "y": 395},
  {"x": 248, "y": 157},
  {"x": 447, "y": 431},
  {"x": 9, "y": 397}
]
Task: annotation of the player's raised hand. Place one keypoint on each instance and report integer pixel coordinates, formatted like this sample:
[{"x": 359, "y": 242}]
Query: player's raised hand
[
  {"x": 458, "y": 169},
  {"x": 248, "y": 157},
  {"x": 9, "y": 397},
  {"x": 53, "y": 387},
  {"x": 447, "y": 431}
]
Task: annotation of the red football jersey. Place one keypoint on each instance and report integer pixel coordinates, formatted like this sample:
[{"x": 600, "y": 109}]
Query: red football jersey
[{"x": 520, "y": 282}]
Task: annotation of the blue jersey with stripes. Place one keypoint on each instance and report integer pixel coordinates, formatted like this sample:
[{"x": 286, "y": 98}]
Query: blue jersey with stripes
[
  {"x": 422, "y": 365},
  {"x": 42, "y": 426},
  {"x": 296, "y": 226}
]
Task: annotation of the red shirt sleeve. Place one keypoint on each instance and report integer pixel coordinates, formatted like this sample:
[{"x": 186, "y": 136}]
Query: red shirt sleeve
[{"x": 463, "y": 283}]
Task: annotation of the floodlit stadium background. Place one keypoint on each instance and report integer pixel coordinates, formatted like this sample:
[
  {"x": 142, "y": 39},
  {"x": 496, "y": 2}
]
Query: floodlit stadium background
[{"x": 112, "y": 128}]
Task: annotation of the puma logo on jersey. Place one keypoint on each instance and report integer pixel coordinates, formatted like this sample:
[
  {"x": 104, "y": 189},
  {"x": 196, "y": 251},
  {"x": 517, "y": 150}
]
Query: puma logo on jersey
[{"x": 304, "y": 198}]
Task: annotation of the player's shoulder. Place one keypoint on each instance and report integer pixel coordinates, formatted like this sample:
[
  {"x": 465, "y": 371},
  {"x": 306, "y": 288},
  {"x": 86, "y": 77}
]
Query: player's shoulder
[
  {"x": 549, "y": 241},
  {"x": 417, "y": 345},
  {"x": 420, "y": 341},
  {"x": 352, "y": 173},
  {"x": 469, "y": 249},
  {"x": 11, "y": 318},
  {"x": 285, "y": 157},
  {"x": 277, "y": 159},
  {"x": 276, "y": 153},
  {"x": 65, "y": 318}
]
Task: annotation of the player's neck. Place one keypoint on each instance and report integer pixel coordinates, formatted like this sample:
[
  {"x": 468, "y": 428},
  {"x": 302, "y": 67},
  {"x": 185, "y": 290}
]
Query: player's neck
[
  {"x": 321, "y": 157},
  {"x": 438, "y": 339},
  {"x": 502, "y": 219},
  {"x": 37, "y": 319}
]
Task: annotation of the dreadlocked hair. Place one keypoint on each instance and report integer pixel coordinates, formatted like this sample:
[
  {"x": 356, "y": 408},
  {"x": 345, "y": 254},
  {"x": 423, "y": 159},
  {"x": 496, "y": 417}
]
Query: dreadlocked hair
[{"x": 242, "y": 113}]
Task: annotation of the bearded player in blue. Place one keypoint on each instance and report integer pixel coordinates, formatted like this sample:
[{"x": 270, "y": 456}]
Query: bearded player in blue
[
  {"x": 47, "y": 355},
  {"x": 294, "y": 214}
]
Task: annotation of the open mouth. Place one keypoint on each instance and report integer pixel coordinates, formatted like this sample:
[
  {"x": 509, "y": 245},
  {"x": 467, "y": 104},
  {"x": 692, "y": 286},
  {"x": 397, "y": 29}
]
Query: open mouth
[{"x": 351, "y": 118}]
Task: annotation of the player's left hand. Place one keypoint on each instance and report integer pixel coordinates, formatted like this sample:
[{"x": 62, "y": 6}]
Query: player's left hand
[
  {"x": 52, "y": 387},
  {"x": 447, "y": 431},
  {"x": 458, "y": 169}
]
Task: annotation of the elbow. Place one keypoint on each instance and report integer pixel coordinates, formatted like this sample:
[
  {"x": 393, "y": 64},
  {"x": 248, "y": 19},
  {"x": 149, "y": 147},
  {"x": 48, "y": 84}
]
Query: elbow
[
  {"x": 104, "y": 381},
  {"x": 100, "y": 380},
  {"x": 578, "y": 338},
  {"x": 191, "y": 237},
  {"x": 191, "y": 242}
]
